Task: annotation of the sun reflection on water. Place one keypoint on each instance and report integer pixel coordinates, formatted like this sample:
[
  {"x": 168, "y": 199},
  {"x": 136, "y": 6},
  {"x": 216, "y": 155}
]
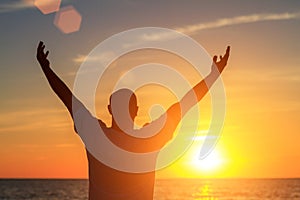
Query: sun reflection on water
[{"x": 204, "y": 192}]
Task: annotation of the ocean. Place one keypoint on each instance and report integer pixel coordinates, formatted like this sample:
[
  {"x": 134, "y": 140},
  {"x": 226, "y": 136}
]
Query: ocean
[{"x": 165, "y": 189}]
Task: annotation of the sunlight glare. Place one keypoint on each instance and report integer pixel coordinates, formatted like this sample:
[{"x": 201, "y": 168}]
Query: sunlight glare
[{"x": 210, "y": 163}]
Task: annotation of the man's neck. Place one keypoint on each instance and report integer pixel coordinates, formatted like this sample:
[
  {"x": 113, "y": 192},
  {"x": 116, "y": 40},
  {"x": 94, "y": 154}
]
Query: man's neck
[{"x": 114, "y": 125}]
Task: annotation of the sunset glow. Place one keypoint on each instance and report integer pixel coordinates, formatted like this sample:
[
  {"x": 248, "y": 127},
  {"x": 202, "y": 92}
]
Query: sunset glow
[
  {"x": 260, "y": 135},
  {"x": 211, "y": 163}
]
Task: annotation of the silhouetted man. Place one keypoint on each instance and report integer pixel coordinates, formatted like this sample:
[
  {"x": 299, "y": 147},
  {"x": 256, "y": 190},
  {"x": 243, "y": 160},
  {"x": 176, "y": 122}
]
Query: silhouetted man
[{"x": 106, "y": 182}]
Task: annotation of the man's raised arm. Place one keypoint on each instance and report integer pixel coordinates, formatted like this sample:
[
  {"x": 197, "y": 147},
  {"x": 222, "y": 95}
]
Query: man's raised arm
[
  {"x": 164, "y": 127},
  {"x": 58, "y": 86},
  {"x": 178, "y": 110}
]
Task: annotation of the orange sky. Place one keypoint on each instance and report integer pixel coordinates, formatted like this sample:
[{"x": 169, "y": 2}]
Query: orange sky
[{"x": 260, "y": 137}]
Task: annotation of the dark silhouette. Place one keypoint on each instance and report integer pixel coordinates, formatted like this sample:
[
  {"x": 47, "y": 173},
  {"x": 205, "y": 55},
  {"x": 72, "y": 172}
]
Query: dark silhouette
[{"x": 106, "y": 182}]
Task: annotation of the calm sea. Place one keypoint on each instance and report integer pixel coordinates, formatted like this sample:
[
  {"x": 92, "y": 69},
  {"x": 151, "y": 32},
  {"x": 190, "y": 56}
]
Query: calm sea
[{"x": 167, "y": 189}]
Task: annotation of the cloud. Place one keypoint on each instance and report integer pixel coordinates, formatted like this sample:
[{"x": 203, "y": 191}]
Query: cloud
[
  {"x": 203, "y": 137},
  {"x": 194, "y": 29},
  {"x": 39, "y": 146},
  {"x": 223, "y": 22},
  {"x": 22, "y": 5},
  {"x": 103, "y": 57},
  {"x": 16, "y": 6},
  {"x": 79, "y": 58},
  {"x": 96, "y": 59},
  {"x": 65, "y": 145},
  {"x": 244, "y": 19},
  {"x": 10, "y": 121}
]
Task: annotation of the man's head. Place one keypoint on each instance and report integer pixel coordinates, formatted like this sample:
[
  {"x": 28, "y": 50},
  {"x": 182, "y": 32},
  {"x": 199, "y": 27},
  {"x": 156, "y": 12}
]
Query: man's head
[{"x": 123, "y": 107}]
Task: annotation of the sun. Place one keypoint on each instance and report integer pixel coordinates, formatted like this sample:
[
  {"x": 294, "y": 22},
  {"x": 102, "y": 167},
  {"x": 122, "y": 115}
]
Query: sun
[{"x": 209, "y": 164}]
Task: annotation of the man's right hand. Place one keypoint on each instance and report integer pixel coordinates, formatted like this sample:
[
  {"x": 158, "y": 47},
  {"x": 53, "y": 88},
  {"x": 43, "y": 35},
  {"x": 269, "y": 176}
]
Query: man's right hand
[{"x": 222, "y": 62}]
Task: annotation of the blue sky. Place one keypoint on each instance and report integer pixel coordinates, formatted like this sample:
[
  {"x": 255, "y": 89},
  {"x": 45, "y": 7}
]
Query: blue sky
[{"x": 22, "y": 28}]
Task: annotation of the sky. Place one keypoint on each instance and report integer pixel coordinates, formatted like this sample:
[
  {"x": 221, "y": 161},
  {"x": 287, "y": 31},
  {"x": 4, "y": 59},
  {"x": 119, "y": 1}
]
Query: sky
[{"x": 260, "y": 137}]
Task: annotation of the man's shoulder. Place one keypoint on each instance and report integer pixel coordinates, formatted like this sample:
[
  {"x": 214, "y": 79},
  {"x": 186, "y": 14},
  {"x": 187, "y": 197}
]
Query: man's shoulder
[{"x": 102, "y": 124}]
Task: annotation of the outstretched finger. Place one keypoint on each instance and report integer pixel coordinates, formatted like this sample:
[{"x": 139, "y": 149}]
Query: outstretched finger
[
  {"x": 40, "y": 45},
  {"x": 227, "y": 50},
  {"x": 227, "y": 53},
  {"x": 46, "y": 54},
  {"x": 42, "y": 48}
]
